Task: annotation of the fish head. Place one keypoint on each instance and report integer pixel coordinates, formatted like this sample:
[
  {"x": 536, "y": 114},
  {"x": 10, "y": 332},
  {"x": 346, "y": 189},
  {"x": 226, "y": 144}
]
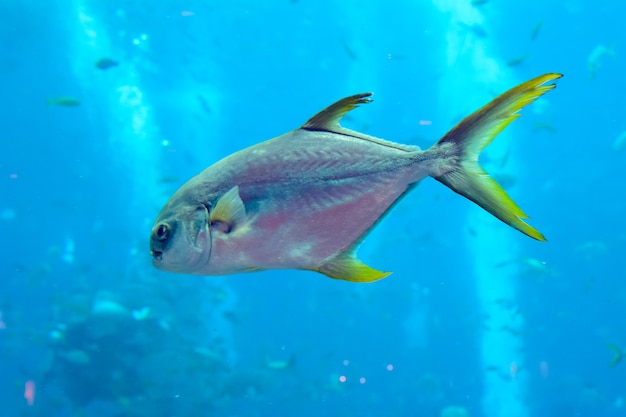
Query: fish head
[{"x": 180, "y": 240}]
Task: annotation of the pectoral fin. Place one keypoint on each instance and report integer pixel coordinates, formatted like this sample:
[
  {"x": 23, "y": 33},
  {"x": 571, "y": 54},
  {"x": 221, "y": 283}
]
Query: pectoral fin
[
  {"x": 229, "y": 211},
  {"x": 348, "y": 267}
]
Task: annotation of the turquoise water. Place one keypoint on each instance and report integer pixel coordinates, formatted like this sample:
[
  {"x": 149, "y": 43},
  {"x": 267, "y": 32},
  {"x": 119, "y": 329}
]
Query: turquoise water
[{"x": 476, "y": 320}]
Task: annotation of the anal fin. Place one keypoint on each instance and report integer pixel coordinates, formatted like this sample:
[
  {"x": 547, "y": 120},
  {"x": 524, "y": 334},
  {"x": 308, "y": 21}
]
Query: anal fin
[{"x": 348, "y": 267}]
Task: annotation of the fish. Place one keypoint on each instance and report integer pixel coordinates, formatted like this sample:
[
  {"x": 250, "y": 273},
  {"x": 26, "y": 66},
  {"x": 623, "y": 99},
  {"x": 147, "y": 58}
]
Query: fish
[
  {"x": 306, "y": 199},
  {"x": 63, "y": 102},
  {"x": 76, "y": 357},
  {"x": 280, "y": 365},
  {"x": 167, "y": 179},
  {"x": 106, "y": 63},
  {"x": 618, "y": 354},
  {"x": 204, "y": 104},
  {"x": 349, "y": 50},
  {"x": 620, "y": 143},
  {"x": 596, "y": 57},
  {"x": 535, "y": 31},
  {"x": 514, "y": 62},
  {"x": 29, "y": 392},
  {"x": 548, "y": 127},
  {"x": 476, "y": 28}
]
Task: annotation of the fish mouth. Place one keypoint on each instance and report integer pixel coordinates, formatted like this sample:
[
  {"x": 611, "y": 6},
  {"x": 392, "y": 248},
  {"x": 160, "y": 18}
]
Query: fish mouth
[{"x": 157, "y": 255}]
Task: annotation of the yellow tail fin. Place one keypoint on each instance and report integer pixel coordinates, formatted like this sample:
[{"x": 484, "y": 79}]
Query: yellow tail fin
[{"x": 477, "y": 131}]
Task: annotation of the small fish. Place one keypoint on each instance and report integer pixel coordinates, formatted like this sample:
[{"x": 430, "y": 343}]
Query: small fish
[
  {"x": 545, "y": 126},
  {"x": 76, "y": 357},
  {"x": 64, "y": 102},
  {"x": 106, "y": 63},
  {"x": 306, "y": 199},
  {"x": 478, "y": 30},
  {"x": 596, "y": 56},
  {"x": 620, "y": 143},
  {"x": 618, "y": 354},
  {"x": 454, "y": 411},
  {"x": 505, "y": 180},
  {"x": 536, "y": 29},
  {"x": 512, "y": 330},
  {"x": 514, "y": 62},
  {"x": 513, "y": 369},
  {"x": 231, "y": 316},
  {"x": 348, "y": 50},
  {"x": 280, "y": 365},
  {"x": 531, "y": 265},
  {"x": 141, "y": 314},
  {"x": 29, "y": 392},
  {"x": 591, "y": 248},
  {"x": 168, "y": 179},
  {"x": 475, "y": 28},
  {"x": 204, "y": 104}
]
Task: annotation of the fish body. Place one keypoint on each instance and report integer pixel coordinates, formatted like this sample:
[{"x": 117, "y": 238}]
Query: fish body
[
  {"x": 620, "y": 143},
  {"x": 300, "y": 191},
  {"x": 596, "y": 56},
  {"x": 64, "y": 102},
  {"x": 535, "y": 31},
  {"x": 106, "y": 63},
  {"x": 514, "y": 62},
  {"x": 306, "y": 199},
  {"x": 618, "y": 354}
]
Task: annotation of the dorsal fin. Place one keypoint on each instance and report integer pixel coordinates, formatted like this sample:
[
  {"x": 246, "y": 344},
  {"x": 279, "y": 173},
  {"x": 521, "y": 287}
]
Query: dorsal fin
[{"x": 328, "y": 119}]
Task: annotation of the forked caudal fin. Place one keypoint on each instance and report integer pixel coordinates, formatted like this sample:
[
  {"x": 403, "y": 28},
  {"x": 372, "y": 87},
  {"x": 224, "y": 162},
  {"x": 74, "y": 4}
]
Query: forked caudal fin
[{"x": 477, "y": 131}]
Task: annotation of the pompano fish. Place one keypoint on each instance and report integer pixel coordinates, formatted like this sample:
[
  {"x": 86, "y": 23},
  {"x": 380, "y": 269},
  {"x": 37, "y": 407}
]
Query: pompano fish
[{"x": 306, "y": 199}]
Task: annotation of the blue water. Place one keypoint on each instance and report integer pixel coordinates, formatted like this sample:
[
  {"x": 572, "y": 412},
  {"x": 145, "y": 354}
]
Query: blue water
[{"x": 89, "y": 328}]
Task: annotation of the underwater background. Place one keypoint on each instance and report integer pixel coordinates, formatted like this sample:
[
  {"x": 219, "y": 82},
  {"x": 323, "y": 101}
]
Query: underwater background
[{"x": 107, "y": 107}]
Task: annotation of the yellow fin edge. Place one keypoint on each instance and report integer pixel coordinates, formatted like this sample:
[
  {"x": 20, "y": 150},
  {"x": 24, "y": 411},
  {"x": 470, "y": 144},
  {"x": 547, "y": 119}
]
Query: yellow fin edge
[
  {"x": 348, "y": 267},
  {"x": 477, "y": 131}
]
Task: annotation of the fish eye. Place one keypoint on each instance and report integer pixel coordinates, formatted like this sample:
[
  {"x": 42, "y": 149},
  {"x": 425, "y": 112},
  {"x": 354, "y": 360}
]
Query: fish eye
[{"x": 162, "y": 232}]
